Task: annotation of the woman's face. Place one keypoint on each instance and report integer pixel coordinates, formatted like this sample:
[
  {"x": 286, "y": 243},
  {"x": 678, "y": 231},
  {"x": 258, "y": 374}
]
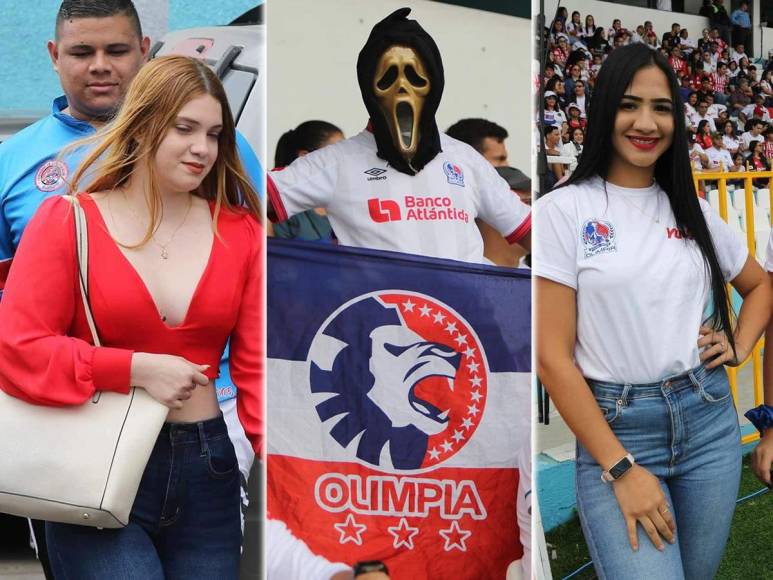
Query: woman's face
[
  {"x": 576, "y": 17},
  {"x": 190, "y": 147},
  {"x": 692, "y": 98},
  {"x": 757, "y": 148},
  {"x": 589, "y": 20},
  {"x": 550, "y": 103},
  {"x": 578, "y": 136},
  {"x": 728, "y": 129},
  {"x": 644, "y": 123}
]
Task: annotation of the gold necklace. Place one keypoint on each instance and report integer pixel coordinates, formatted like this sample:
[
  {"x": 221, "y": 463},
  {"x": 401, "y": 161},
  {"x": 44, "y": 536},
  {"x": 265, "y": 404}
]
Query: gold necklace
[{"x": 164, "y": 252}]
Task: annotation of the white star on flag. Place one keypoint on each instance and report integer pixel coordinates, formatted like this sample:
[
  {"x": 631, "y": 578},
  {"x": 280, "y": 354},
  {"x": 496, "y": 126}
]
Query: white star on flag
[
  {"x": 476, "y": 381},
  {"x": 455, "y": 537},
  {"x": 460, "y": 339},
  {"x": 467, "y": 423},
  {"x": 403, "y": 534},
  {"x": 473, "y": 366},
  {"x": 350, "y": 530},
  {"x": 408, "y": 306},
  {"x": 458, "y": 436},
  {"x": 473, "y": 410},
  {"x": 451, "y": 327},
  {"x": 434, "y": 454},
  {"x": 446, "y": 445},
  {"x": 476, "y": 396},
  {"x": 439, "y": 318},
  {"x": 470, "y": 352},
  {"x": 425, "y": 310}
]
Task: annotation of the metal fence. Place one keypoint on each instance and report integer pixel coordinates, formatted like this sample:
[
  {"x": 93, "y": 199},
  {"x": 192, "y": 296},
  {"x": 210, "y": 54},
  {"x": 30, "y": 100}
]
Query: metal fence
[{"x": 747, "y": 210}]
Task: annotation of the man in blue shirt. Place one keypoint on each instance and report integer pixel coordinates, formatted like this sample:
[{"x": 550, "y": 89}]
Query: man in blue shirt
[
  {"x": 742, "y": 27},
  {"x": 97, "y": 51}
]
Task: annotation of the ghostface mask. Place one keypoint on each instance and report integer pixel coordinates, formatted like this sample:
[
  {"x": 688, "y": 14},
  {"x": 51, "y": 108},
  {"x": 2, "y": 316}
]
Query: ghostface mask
[
  {"x": 401, "y": 80},
  {"x": 401, "y": 86}
]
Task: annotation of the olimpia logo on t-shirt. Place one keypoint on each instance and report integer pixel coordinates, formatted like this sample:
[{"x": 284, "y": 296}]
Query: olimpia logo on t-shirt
[{"x": 598, "y": 237}]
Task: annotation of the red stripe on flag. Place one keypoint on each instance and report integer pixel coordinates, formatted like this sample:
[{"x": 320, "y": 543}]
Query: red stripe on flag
[{"x": 445, "y": 523}]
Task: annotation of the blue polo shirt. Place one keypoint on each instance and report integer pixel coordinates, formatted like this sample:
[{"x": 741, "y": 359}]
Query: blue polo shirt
[{"x": 30, "y": 172}]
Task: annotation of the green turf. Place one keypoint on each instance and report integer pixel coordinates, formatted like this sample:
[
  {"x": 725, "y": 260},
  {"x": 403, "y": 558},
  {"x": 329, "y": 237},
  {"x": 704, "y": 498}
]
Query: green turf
[{"x": 749, "y": 553}]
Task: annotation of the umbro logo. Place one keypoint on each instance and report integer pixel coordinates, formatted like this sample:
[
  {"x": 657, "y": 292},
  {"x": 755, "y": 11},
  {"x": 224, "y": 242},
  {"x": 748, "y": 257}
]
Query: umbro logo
[{"x": 376, "y": 173}]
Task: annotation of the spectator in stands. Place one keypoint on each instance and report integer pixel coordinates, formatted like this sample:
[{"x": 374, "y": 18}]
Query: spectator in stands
[
  {"x": 707, "y": 61},
  {"x": 729, "y": 138},
  {"x": 576, "y": 117},
  {"x": 556, "y": 85},
  {"x": 598, "y": 44},
  {"x": 696, "y": 153},
  {"x": 756, "y": 161},
  {"x": 638, "y": 34},
  {"x": 757, "y": 109},
  {"x": 305, "y": 138},
  {"x": 719, "y": 81},
  {"x": 742, "y": 26},
  {"x": 550, "y": 72},
  {"x": 720, "y": 20},
  {"x": 702, "y": 115},
  {"x": 617, "y": 28},
  {"x": 691, "y": 103},
  {"x": 552, "y": 149},
  {"x": 580, "y": 98},
  {"x": 766, "y": 87},
  {"x": 676, "y": 62},
  {"x": 703, "y": 134},
  {"x": 753, "y": 134},
  {"x": 575, "y": 29},
  {"x": 719, "y": 157},
  {"x": 689, "y": 45},
  {"x": 740, "y": 97},
  {"x": 572, "y": 77},
  {"x": 732, "y": 69},
  {"x": 590, "y": 27},
  {"x": 738, "y": 52},
  {"x": 552, "y": 114},
  {"x": 768, "y": 144},
  {"x": 672, "y": 38},
  {"x": 556, "y": 30}
]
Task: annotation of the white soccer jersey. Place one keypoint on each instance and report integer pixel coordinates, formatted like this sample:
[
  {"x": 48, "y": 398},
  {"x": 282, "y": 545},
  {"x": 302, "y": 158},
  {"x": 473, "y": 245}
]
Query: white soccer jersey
[{"x": 371, "y": 205}]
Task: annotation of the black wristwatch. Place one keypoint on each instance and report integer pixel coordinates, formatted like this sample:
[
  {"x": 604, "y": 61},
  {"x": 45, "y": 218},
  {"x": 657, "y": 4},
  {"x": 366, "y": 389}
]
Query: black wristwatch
[
  {"x": 369, "y": 566},
  {"x": 618, "y": 469}
]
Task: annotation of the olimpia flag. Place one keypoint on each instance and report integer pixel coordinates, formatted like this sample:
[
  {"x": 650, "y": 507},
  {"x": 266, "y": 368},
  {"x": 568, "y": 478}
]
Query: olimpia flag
[{"x": 398, "y": 405}]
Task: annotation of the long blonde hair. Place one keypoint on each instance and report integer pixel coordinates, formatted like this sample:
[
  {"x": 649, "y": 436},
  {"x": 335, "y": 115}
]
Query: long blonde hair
[{"x": 156, "y": 95}]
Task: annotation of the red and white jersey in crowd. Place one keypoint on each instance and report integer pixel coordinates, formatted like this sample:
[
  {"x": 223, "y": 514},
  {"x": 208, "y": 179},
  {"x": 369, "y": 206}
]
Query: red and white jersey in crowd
[
  {"x": 371, "y": 205},
  {"x": 719, "y": 82}
]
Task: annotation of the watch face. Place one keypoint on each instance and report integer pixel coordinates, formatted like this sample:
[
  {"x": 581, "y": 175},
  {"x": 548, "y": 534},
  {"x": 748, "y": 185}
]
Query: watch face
[{"x": 620, "y": 467}]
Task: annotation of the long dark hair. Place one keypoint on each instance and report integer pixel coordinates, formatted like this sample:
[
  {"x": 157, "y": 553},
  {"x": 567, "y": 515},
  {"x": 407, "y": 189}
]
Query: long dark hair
[
  {"x": 672, "y": 169},
  {"x": 308, "y": 136}
]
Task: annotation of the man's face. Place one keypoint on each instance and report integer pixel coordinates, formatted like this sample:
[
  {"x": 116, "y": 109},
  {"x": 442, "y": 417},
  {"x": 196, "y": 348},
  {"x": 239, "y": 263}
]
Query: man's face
[
  {"x": 494, "y": 151},
  {"x": 96, "y": 59},
  {"x": 579, "y": 89}
]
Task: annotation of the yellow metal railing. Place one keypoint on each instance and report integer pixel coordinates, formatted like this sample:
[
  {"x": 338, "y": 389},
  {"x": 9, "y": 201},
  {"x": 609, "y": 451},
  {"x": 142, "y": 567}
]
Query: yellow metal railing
[{"x": 722, "y": 178}]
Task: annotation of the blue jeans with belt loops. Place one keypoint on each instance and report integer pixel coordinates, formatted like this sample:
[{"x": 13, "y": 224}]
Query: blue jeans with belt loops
[
  {"x": 184, "y": 524},
  {"x": 684, "y": 430}
]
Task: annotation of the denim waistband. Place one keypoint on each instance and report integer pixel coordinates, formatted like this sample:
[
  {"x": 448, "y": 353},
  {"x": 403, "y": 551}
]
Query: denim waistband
[
  {"x": 689, "y": 379},
  {"x": 195, "y": 432}
]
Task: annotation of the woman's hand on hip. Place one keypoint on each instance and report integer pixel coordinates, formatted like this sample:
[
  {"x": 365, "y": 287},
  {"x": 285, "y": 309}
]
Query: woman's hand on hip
[
  {"x": 762, "y": 458},
  {"x": 168, "y": 379},
  {"x": 716, "y": 350},
  {"x": 642, "y": 500}
]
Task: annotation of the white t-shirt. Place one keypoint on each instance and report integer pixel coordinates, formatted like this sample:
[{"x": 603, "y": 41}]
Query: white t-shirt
[
  {"x": 641, "y": 287},
  {"x": 289, "y": 557},
  {"x": 730, "y": 142},
  {"x": 717, "y": 155},
  {"x": 371, "y": 205},
  {"x": 747, "y": 138},
  {"x": 769, "y": 254}
]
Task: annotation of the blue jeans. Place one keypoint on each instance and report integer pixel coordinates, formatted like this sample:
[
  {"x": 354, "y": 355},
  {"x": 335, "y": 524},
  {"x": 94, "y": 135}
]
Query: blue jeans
[
  {"x": 185, "y": 522},
  {"x": 684, "y": 430}
]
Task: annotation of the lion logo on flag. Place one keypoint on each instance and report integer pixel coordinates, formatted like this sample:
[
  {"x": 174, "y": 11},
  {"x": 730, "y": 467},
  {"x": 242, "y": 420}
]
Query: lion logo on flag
[{"x": 400, "y": 379}]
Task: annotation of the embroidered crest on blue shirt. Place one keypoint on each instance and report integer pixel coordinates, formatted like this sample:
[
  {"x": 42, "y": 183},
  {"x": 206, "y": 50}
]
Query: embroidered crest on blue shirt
[{"x": 51, "y": 175}]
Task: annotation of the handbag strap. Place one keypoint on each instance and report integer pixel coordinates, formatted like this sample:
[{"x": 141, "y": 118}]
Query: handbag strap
[{"x": 82, "y": 247}]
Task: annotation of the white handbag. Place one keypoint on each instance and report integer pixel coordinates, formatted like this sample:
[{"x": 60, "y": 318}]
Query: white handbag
[{"x": 77, "y": 465}]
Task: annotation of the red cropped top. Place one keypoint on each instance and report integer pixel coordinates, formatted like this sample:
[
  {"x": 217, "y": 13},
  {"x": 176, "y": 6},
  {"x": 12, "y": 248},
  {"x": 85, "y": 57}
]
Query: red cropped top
[{"x": 46, "y": 351}]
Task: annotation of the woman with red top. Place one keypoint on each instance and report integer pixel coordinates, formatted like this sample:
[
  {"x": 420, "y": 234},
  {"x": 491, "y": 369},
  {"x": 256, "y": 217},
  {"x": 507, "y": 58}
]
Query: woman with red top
[
  {"x": 703, "y": 134},
  {"x": 175, "y": 269}
]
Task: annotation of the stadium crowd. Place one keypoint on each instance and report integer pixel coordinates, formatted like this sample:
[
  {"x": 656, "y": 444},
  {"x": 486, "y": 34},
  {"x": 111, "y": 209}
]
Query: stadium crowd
[{"x": 727, "y": 94}]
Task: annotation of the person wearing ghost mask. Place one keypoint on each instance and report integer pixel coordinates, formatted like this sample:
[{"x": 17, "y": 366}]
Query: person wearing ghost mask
[{"x": 400, "y": 184}]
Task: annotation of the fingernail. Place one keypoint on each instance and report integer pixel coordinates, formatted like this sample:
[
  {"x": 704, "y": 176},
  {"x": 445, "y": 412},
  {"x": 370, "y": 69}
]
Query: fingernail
[{"x": 661, "y": 547}]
